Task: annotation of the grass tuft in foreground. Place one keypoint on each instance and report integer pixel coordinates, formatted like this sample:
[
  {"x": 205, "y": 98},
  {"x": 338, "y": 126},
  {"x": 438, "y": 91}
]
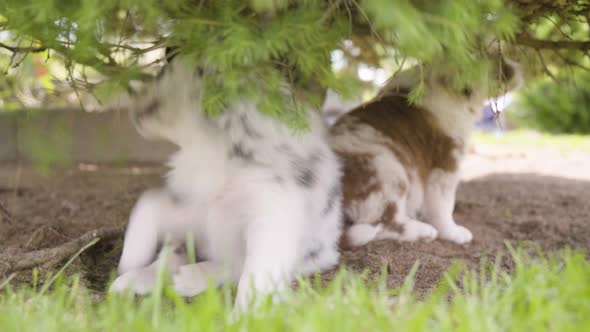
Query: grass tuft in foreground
[{"x": 543, "y": 293}]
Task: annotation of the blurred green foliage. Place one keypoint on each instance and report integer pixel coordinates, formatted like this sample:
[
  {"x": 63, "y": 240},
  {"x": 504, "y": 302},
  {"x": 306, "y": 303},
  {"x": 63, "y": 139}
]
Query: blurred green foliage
[
  {"x": 555, "y": 106},
  {"x": 254, "y": 45}
]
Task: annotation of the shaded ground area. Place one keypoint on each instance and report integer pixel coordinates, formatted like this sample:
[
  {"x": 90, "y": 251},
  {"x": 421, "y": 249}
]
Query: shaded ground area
[
  {"x": 544, "y": 199},
  {"x": 550, "y": 211}
]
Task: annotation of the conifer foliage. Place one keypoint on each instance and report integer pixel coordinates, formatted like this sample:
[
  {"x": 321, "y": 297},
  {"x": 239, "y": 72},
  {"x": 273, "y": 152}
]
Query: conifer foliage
[{"x": 254, "y": 46}]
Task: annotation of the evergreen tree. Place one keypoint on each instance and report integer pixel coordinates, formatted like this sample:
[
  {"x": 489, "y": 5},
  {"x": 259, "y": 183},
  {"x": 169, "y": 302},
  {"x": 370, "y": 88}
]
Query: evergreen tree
[{"x": 256, "y": 44}]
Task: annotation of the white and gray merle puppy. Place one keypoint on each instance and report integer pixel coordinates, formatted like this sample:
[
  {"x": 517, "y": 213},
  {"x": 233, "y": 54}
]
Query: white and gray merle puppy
[{"x": 261, "y": 201}]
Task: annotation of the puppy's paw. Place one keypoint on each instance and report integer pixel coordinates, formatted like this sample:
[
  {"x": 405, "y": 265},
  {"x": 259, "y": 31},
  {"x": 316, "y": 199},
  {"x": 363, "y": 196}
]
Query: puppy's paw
[
  {"x": 409, "y": 231},
  {"x": 455, "y": 233},
  {"x": 136, "y": 281},
  {"x": 190, "y": 280},
  {"x": 416, "y": 230},
  {"x": 361, "y": 234}
]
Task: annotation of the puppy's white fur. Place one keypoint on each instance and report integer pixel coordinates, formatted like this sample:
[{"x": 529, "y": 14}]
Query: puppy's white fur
[{"x": 262, "y": 202}]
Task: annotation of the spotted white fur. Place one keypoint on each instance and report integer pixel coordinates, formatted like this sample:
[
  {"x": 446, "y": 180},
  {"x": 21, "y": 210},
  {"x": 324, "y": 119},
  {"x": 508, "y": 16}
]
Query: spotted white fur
[{"x": 262, "y": 202}]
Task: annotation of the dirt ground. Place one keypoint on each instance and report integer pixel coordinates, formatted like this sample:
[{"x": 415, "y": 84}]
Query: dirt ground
[{"x": 508, "y": 194}]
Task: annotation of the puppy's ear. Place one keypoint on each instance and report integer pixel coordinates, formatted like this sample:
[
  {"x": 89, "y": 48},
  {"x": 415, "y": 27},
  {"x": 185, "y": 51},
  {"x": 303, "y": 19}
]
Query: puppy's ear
[{"x": 171, "y": 52}]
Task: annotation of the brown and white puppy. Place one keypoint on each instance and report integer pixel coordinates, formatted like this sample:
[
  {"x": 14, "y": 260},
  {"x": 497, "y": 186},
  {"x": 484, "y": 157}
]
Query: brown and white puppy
[{"x": 401, "y": 160}]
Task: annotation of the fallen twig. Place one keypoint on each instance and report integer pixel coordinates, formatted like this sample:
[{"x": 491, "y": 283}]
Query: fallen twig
[
  {"x": 65, "y": 266},
  {"x": 11, "y": 263}
]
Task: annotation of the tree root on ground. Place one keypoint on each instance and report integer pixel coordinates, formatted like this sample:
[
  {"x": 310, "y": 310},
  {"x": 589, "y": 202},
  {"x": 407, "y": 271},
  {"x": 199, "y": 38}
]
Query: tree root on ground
[{"x": 12, "y": 263}]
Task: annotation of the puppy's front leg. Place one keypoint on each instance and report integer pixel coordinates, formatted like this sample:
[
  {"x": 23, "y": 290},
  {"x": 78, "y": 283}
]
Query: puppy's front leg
[
  {"x": 155, "y": 219},
  {"x": 271, "y": 258},
  {"x": 142, "y": 235},
  {"x": 439, "y": 203}
]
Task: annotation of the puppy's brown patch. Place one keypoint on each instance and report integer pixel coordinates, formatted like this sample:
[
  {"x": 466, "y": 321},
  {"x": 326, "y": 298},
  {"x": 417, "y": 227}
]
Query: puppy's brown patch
[
  {"x": 414, "y": 135},
  {"x": 360, "y": 178},
  {"x": 388, "y": 219}
]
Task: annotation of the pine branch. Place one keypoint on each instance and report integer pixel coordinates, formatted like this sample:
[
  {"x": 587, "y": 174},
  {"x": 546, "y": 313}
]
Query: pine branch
[
  {"x": 138, "y": 50},
  {"x": 553, "y": 44},
  {"x": 18, "y": 49}
]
